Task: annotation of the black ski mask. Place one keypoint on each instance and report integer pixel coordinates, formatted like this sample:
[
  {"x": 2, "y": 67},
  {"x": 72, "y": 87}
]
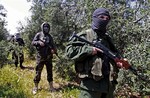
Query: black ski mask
[
  {"x": 45, "y": 28},
  {"x": 99, "y": 24}
]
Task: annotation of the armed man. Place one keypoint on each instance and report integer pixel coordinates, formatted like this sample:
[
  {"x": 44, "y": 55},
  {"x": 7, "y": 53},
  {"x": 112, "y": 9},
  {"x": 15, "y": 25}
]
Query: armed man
[
  {"x": 98, "y": 72},
  {"x": 45, "y": 47},
  {"x": 17, "y": 44}
]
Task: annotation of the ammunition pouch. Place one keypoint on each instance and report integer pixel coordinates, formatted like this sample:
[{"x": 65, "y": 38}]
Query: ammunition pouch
[{"x": 89, "y": 68}]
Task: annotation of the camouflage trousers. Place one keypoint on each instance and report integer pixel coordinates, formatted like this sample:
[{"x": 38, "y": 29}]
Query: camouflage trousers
[
  {"x": 18, "y": 58},
  {"x": 97, "y": 94}
]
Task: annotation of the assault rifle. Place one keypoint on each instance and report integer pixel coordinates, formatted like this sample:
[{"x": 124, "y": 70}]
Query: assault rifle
[
  {"x": 50, "y": 48},
  {"x": 110, "y": 55}
]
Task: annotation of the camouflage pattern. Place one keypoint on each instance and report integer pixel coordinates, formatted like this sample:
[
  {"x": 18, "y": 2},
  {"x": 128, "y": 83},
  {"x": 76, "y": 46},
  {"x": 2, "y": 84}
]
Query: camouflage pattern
[
  {"x": 95, "y": 78},
  {"x": 16, "y": 47}
]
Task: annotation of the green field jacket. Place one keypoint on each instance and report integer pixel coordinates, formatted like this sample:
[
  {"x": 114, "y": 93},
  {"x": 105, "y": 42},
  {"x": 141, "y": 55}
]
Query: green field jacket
[{"x": 91, "y": 66}]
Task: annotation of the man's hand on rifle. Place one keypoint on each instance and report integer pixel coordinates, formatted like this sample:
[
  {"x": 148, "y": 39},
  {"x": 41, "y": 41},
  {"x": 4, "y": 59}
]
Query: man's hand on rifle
[
  {"x": 52, "y": 51},
  {"x": 96, "y": 50},
  {"x": 41, "y": 43},
  {"x": 122, "y": 63}
]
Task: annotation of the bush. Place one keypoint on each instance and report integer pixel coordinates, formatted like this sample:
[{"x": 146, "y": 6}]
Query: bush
[{"x": 4, "y": 48}]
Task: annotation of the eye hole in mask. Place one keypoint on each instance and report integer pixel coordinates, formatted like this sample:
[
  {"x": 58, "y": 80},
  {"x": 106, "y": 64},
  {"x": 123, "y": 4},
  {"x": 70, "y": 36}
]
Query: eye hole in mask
[{"x": 103, "y": 17}]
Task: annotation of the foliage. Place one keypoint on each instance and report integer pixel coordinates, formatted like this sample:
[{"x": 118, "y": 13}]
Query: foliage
[
  {"x": 132, "y": 38},
  {"x": 3, "y": 36},
  {"x": 18, "y": 83},
  {"x": 10, "y": 84},
  {"x": 4, "y": 49},
  {"x": 129, "y": 28},
  {"x": 3, "y": 30}
]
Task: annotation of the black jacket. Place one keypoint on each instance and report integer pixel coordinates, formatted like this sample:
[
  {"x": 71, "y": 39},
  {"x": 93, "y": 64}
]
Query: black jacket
[{"x": 47, "y": 39}]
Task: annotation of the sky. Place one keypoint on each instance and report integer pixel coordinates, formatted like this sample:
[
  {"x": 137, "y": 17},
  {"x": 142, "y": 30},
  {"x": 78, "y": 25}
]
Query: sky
[{"x": 17, "y": 10}]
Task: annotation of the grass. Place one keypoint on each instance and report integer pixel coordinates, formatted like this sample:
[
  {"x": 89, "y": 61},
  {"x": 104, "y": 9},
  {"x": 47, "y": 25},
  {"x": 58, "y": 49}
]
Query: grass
[{"x": 18, "y": 83}]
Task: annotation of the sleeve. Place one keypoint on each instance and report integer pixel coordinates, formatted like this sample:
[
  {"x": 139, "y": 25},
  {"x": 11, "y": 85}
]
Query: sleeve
[
  {"x": 78, "y": 50},
  {"x": 35, "y": 41}
]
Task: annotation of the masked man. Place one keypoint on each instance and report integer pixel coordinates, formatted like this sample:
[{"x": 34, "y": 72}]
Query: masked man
[
  {"x": 17, "y": 44},
  {"x": 45, "y": 47},
  {"x": 97, "y": 72}
]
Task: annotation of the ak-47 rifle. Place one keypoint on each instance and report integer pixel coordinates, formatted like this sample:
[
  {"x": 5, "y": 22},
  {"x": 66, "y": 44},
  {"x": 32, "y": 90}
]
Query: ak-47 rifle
[
  {"x": 50, "y": 48},
  {"x": 111, "y": 55}
]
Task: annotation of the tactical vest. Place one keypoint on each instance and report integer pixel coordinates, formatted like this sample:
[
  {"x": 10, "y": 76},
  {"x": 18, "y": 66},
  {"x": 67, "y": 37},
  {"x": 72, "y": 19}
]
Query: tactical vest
[
  {"x": 98, "y": 66},
  {"x": 45, "y": 51}
]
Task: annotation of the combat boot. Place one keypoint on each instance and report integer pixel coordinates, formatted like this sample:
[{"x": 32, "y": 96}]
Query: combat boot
[
  {"x": 51, "y": 87},
  {"x": 16, "y": 64},
  {"x": 21, "y": 66},
  {"x": 35, "y": 89}
]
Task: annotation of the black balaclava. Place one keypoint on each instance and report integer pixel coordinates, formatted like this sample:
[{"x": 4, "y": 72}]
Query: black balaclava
[
  {"x": 45, "y": 24},
  {"x": 99, "y": 25}
]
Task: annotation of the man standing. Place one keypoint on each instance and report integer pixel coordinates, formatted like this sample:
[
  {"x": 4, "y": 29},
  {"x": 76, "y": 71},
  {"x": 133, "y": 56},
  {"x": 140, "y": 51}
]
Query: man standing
[
  {"x": 97, "y": 72},
  {"x": 45, "y": 47},
  {"x": 17, "y": 44}
]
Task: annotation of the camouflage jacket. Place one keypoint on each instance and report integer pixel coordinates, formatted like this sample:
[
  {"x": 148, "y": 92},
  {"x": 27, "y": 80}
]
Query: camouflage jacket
[
  {"x": 17, "y": 45},
  {"x": 88, "y": 65}
]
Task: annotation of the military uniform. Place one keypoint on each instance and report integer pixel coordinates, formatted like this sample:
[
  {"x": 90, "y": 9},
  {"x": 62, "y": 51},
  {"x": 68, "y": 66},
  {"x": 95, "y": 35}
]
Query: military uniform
[
  {"x": 93, "y": 70},
  {"x": 17, "y": 45},
  {"x": 44, "y": 54},
  {"x": 93, "y": 67}
]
